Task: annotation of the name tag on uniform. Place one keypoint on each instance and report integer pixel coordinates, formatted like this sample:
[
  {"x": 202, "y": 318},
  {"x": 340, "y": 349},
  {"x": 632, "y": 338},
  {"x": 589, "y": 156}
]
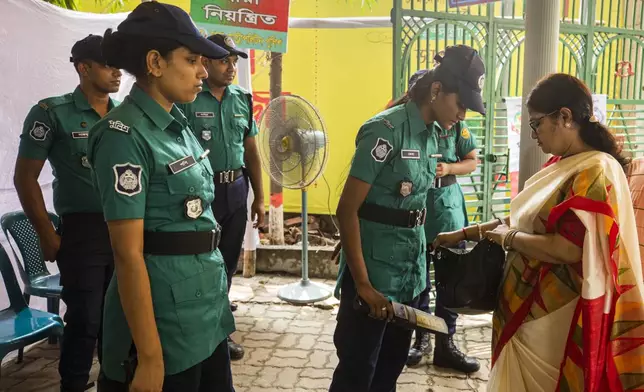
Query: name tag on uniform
[
  {"x": 80, "y": 135},
  {"x": 182, "y": 164},
  {"x": 205, "y": 115},
  {"x": 410, "y": 154}
]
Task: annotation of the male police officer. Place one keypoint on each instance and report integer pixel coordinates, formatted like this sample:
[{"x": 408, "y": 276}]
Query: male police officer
[
  {"x": 222, "y": 119},
  {"x": 57, "y": 129}
]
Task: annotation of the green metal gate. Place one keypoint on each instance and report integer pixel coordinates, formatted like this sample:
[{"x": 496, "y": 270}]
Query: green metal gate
[{"x": 598, "y": 40}]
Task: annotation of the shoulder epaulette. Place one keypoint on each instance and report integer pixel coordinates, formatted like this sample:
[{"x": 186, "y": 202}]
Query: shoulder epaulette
[{"x": 52, "y": 102}]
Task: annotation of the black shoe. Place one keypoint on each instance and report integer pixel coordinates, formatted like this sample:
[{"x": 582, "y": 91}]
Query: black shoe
[
  {"x": 233, "y": 307},
  {"x": 236, "y": 350},
  {"x": 447, "y": 355},
  {"x": 422, "y": 346}
]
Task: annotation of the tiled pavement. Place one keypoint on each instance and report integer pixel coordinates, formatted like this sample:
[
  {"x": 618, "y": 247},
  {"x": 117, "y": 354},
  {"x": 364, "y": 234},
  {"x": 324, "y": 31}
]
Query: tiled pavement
[{"x": 288, "y": 348}]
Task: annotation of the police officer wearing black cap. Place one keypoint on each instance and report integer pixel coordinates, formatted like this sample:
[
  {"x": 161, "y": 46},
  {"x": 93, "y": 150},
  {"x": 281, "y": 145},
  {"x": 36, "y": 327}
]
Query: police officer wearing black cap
[
  {"x": 446, "y": 209},
  {"x": 222, "y": 119},
  {"x": 56, "y": 129},
  {"x": 384, "y": 251},
  {"x": 167, "y": 314}
]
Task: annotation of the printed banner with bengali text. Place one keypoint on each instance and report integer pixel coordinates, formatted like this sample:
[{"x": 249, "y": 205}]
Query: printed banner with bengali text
[{"x": 252, "y": 24}]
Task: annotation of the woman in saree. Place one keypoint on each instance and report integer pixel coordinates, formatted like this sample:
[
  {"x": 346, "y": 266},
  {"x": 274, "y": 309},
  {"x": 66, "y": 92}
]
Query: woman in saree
[{"x": 570, "y": 315}]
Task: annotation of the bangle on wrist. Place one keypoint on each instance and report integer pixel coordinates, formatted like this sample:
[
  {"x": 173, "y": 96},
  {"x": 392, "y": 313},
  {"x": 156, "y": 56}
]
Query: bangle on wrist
[
  {"x": 464, "y": 234},
  {"x": 478, "y": 227}
]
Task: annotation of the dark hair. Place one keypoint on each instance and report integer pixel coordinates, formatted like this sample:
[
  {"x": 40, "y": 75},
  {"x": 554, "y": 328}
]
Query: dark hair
[
  {"x": 422, "y": 88},
  {"x": 559, "y": 90},
  {"x": 128, "y": 52}
]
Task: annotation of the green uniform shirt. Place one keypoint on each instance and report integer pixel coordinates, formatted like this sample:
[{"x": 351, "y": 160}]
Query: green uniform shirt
[
  {"x": 147, "y": 165},
  {"x": 221, "y": 127},
  {"x": 56, "y": 129},
  {"x": 394, "y": 147},
  {"x": 446, "y": 209}
]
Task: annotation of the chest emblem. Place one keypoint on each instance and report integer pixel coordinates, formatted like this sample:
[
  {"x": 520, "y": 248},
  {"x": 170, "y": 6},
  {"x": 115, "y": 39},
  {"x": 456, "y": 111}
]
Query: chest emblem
[
  {"x": 127, "y": 179},
  {"x": 119, "y": 126},
  {"x": 381, "y": 150},
  {"x": 205, "y": 115},
  {"x": 193, "y": 207},
  {"x": 39, "y": 131},
  {"x": 206, "y": 134},
  {"x": 406, "y": 187},
  {"x": 410, "y": 154}
]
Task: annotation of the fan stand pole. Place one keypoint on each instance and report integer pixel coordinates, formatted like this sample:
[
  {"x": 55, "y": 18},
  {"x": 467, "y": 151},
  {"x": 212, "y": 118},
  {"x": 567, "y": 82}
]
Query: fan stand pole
[{"x": 304, "y": 291}]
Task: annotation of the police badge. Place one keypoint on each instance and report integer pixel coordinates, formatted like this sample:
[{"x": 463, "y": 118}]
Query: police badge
[
  {"x": 206, "y": 135},
  {"x": 193, "y": 207},
  {"x": 127, "y": 179},
  {"x": 405, "y": 188},
  {"x": 381, "y": 150},
  {"x": 39, "y": 131}
]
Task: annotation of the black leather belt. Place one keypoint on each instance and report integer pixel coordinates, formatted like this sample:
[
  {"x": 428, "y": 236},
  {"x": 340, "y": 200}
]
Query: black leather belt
[
  {"x": 181, "y": 242},
  {"x": 392, "y": 216},
  {"x": 442, "y": 182},
  {"x": 228, "y": 176}
]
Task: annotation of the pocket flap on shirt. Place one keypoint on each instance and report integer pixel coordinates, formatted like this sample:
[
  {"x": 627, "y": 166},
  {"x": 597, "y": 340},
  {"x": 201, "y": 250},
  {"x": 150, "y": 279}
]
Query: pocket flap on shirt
[{"x": 187, "y": 182}]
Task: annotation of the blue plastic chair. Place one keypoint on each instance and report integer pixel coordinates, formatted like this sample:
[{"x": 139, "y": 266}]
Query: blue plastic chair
[
  {"x": 36, "y": 278},
  {"x": 21, "y": 325}
]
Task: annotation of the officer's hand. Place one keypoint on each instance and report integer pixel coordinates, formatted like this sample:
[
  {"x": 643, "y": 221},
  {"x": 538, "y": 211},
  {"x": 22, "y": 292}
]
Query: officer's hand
[
  {"x": 336, "y": 253},
  {"x": 50, "y": 247},
  {"x": 148, "y": 376},
  {"x": 442, "y": 169},
  {"x": 448, "y": 240},
  {"x": 257, "y": 212},
  {"x": 379, "y": 307}
]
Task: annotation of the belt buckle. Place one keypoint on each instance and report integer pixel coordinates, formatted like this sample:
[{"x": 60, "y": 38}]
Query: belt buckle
[
  {"x": 417, "y": 217},
  {"x": 213, "y": 239},
  {"x": 224, "y": 176}
]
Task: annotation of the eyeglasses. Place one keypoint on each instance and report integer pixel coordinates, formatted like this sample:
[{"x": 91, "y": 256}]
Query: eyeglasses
[{"x": 534, "y": 124}]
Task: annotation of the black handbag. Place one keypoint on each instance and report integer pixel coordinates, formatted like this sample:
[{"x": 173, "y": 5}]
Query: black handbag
[{"x": 468, "y": 281}]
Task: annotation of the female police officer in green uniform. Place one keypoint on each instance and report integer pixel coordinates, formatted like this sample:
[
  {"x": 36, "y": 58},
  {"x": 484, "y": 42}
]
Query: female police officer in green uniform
[
  {"x": 446, "y": 212},
  {"x": 381, "y": 214},
  {"x": 168, "y": 303}
]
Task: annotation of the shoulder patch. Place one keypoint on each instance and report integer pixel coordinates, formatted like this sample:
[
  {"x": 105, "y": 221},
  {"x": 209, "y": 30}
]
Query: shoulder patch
[
  {"x": 127, "y": 179},
  {"x": 39, "y": 131},
  {"x": 465, "y": 133},
  {"x": 381, "y": 150},
  {"x": 119, "y": 126}
]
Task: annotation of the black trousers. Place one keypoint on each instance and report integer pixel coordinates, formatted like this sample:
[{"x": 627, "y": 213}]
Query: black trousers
[
  {"x": 231, "y": 213},
  {"x": 211, "y": 375},
  {"x": 371, "y": 353},
  {"x": 440, "y": 311},
  {"x": 86, "y": 267}
]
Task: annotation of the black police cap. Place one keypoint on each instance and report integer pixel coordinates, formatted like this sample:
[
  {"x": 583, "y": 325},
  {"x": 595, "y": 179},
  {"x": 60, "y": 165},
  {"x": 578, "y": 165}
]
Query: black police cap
[
  {"x": 464, "y": 63},
  {"x": 160, "y": 20},
  {"x": 89, "y": 48},
  {"x": 227, "y": 43}
]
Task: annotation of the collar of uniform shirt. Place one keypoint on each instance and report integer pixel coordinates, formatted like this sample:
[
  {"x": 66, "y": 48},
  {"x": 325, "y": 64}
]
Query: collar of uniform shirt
[
  {"x": 206, "y": 89},
  {"x": 156, "y": 113},
  {"x": 81, "y": 102},
  {"x": 415, "y": 119}
]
